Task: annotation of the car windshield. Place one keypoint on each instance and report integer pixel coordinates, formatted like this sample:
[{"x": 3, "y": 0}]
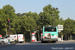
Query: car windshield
[
  {"x": 6, "y": 36},
  {"x": 50, "y": 29}
]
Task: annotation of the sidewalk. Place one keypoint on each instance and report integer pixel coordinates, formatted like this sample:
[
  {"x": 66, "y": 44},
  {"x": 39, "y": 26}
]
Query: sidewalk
[
  {"x": 7, "y": 44},
  {"x": 62, "y": 41},
  {"x": 67, "y": 41}
]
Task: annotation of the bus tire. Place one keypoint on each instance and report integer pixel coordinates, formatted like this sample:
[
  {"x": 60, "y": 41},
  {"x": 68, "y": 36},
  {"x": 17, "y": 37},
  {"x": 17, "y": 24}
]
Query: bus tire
[
  {"x": 2, "y": 43},
  {"x": 53, "y": 41},
  {"x": 42, "y": 41}
]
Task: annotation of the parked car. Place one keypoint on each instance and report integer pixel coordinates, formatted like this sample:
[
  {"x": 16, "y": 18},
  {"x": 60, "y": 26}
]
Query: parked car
[{"x": 3, "y": 41}]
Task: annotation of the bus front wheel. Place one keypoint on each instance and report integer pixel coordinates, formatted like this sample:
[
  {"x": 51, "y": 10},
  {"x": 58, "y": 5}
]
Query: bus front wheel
[
  {"x": 53, "y": 41},
  {"x": 42, "y": 41}
]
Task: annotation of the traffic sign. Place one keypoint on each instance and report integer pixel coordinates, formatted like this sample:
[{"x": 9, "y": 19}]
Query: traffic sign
[{"x": 60, "y": 28}]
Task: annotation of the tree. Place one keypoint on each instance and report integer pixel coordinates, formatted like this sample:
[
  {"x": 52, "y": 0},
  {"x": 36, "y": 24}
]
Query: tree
[
  {"x": 16, "y": 25},
  {"x": 68, "y": 27},
  {"x": 61, "y": 21},
  {"x": 49, "y": 16},
  {"x": 20, "y": 15},
  {"x": 27, "y": 24},
  {"x": 3, "y": 22},
  {"x": 7, "y": 12},
  {"x": 35, "y": 16},
  {"x": 73, "y": 27}
]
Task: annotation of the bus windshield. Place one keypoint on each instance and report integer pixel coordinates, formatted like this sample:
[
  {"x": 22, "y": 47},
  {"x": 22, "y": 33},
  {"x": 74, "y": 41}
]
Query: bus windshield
[{"x": 50, "y": 29}]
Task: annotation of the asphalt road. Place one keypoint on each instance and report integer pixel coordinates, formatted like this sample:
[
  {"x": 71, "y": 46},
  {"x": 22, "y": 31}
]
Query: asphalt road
[{"x": 40, "y": 46}]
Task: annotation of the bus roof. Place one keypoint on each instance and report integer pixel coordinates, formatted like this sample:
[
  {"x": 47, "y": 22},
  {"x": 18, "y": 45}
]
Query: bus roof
[{"x": 49, "y": 26}]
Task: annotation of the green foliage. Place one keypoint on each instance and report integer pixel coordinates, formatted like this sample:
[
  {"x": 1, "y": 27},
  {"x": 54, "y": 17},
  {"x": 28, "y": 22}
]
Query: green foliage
[
  {"x": 68, "y": 26},
  {"x": 35, "y": 16},
  {"x": 7, "y": 12},
  {"x": 61, "y": 21},
  {"x": 49, "y": 16},
  {"x": 27, "y": 22}
]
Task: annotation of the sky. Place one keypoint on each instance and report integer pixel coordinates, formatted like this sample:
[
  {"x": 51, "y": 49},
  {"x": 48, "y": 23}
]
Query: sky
[{"x": 66, "y": 7}]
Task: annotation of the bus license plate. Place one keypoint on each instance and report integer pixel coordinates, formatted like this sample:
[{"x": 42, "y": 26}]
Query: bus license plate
[{"x": 50, "y": 40}]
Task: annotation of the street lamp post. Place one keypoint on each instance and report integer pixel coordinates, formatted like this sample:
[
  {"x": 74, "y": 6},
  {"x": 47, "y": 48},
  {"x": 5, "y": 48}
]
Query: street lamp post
[
  {"x": 54, "y": 15},
  {"x": 8, "y": 26}
]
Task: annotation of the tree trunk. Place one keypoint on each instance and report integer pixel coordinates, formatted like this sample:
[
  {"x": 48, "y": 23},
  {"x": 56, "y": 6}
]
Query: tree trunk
[
  {"x": 30, "y": 36},
  {"x": 24, "y": 37},
  {"x": 38, "y": 36},
  {"x": 6, "y": 29},
  {"x": 70, "y": 37}
]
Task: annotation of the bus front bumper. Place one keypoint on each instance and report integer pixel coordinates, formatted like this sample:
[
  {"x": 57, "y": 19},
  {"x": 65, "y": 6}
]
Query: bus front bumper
[{"x": 51, "y": 39}]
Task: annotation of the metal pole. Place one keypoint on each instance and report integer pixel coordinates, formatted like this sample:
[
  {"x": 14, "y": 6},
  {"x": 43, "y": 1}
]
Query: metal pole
[
  {"x": 5, "y": 29},
  {"x": 8, "y": 26},
  {"x": 54, "y": 17},
  {"x": 8, "y": 29}
]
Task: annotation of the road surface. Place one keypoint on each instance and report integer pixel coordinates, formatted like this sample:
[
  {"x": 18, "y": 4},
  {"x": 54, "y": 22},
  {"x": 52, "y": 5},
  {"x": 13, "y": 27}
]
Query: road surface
[{"x": 40, "y": 46}]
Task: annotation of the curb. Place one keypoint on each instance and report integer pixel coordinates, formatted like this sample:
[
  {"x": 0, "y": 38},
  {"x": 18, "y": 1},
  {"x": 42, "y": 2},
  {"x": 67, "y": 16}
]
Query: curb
[
  {"x": 67, "y": 41},
  {"x": 7, "y": 44},
  {"x": 23, "y": 43}
]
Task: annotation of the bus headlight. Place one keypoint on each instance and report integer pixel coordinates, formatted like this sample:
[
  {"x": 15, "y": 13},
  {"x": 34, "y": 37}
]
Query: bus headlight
[{"x": 57, "y": 36}]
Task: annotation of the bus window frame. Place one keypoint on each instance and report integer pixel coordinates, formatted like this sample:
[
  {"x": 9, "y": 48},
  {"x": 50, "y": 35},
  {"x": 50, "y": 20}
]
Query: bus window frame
[{"x": 50, "y": 31}]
